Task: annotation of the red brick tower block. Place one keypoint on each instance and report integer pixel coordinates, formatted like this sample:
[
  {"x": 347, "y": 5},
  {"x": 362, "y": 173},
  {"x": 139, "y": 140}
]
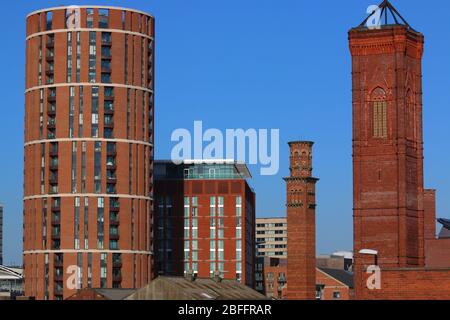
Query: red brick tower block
[
  {"x": 387, "y": 145},
  {"x": 301, "y": 211}
]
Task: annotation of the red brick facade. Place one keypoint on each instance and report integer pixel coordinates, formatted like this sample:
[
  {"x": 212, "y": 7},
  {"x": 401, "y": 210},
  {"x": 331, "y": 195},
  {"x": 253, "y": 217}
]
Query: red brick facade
[
  {"x": 332, "y": 289},
  {"x": 224, "y": 239},
  {"x": 392, "y": 214},
  {"x": 301, "y": 208},
  {"x": 88, "y": 173}
]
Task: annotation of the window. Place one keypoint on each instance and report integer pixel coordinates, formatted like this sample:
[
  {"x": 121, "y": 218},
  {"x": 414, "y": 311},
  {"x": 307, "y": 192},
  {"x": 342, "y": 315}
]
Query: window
[
  {"x": 379, "y": 113},
  {"x": 103, "y": 18},
  {"x": 49, "y": 20},
  {"x": 90, "y": 18},
  {"x": 69, "y": 57},
  {"x": 92, "y": 55},
  {"x": 336, "y": 295}
]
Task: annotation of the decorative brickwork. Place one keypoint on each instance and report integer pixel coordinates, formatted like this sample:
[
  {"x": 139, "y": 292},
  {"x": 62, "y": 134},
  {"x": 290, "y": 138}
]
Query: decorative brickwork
[{"x": 301, "y": 204}]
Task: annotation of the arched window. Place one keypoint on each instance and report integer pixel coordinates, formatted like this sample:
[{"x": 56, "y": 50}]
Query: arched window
[{"x": 379, "y": 113}]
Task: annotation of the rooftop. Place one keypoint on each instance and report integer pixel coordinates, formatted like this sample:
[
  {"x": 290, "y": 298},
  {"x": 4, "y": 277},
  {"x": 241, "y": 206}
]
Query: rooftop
[
  {"x": 384, "y": 16},
  {"x": 192, "y": 169},
  {"x": 181, "y": 288}
]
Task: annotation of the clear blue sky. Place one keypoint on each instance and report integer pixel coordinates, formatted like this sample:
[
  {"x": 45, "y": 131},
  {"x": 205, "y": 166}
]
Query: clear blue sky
[{"x": 252, "y": 64}]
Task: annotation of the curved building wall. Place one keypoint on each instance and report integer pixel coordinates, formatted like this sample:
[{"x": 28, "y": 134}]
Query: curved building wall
[{"x": 88, "y": 174}]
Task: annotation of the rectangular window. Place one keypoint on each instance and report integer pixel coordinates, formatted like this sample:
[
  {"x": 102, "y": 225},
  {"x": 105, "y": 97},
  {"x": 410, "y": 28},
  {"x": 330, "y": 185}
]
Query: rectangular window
[
  {"x": 94, "y": 106},
  {"x": 86, "y": 223},
  {"x": 83, "y": 166},
  {"x": 100, "y": 222},
  {"x": 97, "y": 166},
  {"x": 49, "y": 16},
  {"x": 379, "y": 119},
  {"x": 80, "y": 112},
  {"x": 77, "y": 224},
  {"x": 103, "y": 18},
  {"x": 78, "y": 58},
  {"x": 69, "y": 57},
  {"x": 92, "y": 55},
  {"x": 90, "y": 18},
  {"x": 103, "y": 270},
  {"x": 74, "y": 167},
  {"x": 71, "y": 111}
]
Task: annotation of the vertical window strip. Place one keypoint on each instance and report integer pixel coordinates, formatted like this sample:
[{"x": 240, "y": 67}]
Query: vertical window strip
[
  {"x": 126, "y": 59},
  {"x": 97, "y": 167},
  {"x": 74, "y": 167},
  {"x": 83, "y": 166},
  {"x": 89, "y": 270},
  {"x": 78, "y": 57},
  {"x": 40, "y": 62},
  {"x": 80, "y": 112},
  {"x": 42, "y": 168},
  {"x": 92, "y": 55},
  {"x": 79, "y": 270},
  {"x": 77, "y": 224},
  {"x": 86, "y": 223},
  {"x": 44, "y": 224},
  {"x": 41, "y": 113},
  {"x": 71, "y": 111},
  {"x": 94, "y": 111},
  {"x": 69, "y": 57},
  {"x": 100, "y": 222}
]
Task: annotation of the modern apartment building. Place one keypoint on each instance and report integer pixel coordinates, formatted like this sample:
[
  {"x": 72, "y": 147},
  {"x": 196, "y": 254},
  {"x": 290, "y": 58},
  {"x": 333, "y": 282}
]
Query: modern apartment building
[
  {"x": 88, "y": 177},
  {"x": 271, "y": 237},
  {"x": 205, "y": 220}
]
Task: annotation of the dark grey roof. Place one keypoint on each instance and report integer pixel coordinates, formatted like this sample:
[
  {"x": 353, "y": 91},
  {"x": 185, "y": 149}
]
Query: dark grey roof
[
  {"x": 343, "y": 276},
  {"x": 180, "y": 288}
]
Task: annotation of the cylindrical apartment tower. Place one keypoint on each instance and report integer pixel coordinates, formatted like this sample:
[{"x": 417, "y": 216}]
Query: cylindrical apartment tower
[{"x": 88, "y": 175}]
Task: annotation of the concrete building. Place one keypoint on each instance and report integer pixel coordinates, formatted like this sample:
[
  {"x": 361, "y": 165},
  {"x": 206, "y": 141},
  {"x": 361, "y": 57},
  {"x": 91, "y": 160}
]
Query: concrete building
[
  {"x": 271, "y": 237},
  {"x": 205, "y": 220},
  {"x": 301, "y": 228},
  {"x": 88, "y": 177},
  {"x": 11, "y": 282},
  {"x": 394, "y": 216}
]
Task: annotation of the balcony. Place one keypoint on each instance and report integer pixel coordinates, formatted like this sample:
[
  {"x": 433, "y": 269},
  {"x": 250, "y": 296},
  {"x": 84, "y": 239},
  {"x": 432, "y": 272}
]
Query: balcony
[
  {"x": 56, "y": 236},
  {"x": 114, "y": 236},
  {"x": 53, "y": 152},
  {"x": 117, "y": 264},
  {"x": 108, "y": 111},
  {"x": 117, "y": 278},
  {"x": 51, "y": 124},
  {"x": 56, "y": 221},
  {"x": 50, "y": 72},
  {"x": 50, "y": 43},
  {"x": 51, "y": 111},
  {"x": 110, "y": 97},
  {"x": 111, "y": 180},
  {"x": 114, "y": 222},
  {"x": 58, "y": 263},
  {"x": 59, "y": 277},
  {"x": 111, "y": 166},
  {"x": 50, "y": 58},
  {"x": 53, "y": 166},
  {"x": 53, "y": 180},
  {"x": 51, "y": 98}
]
